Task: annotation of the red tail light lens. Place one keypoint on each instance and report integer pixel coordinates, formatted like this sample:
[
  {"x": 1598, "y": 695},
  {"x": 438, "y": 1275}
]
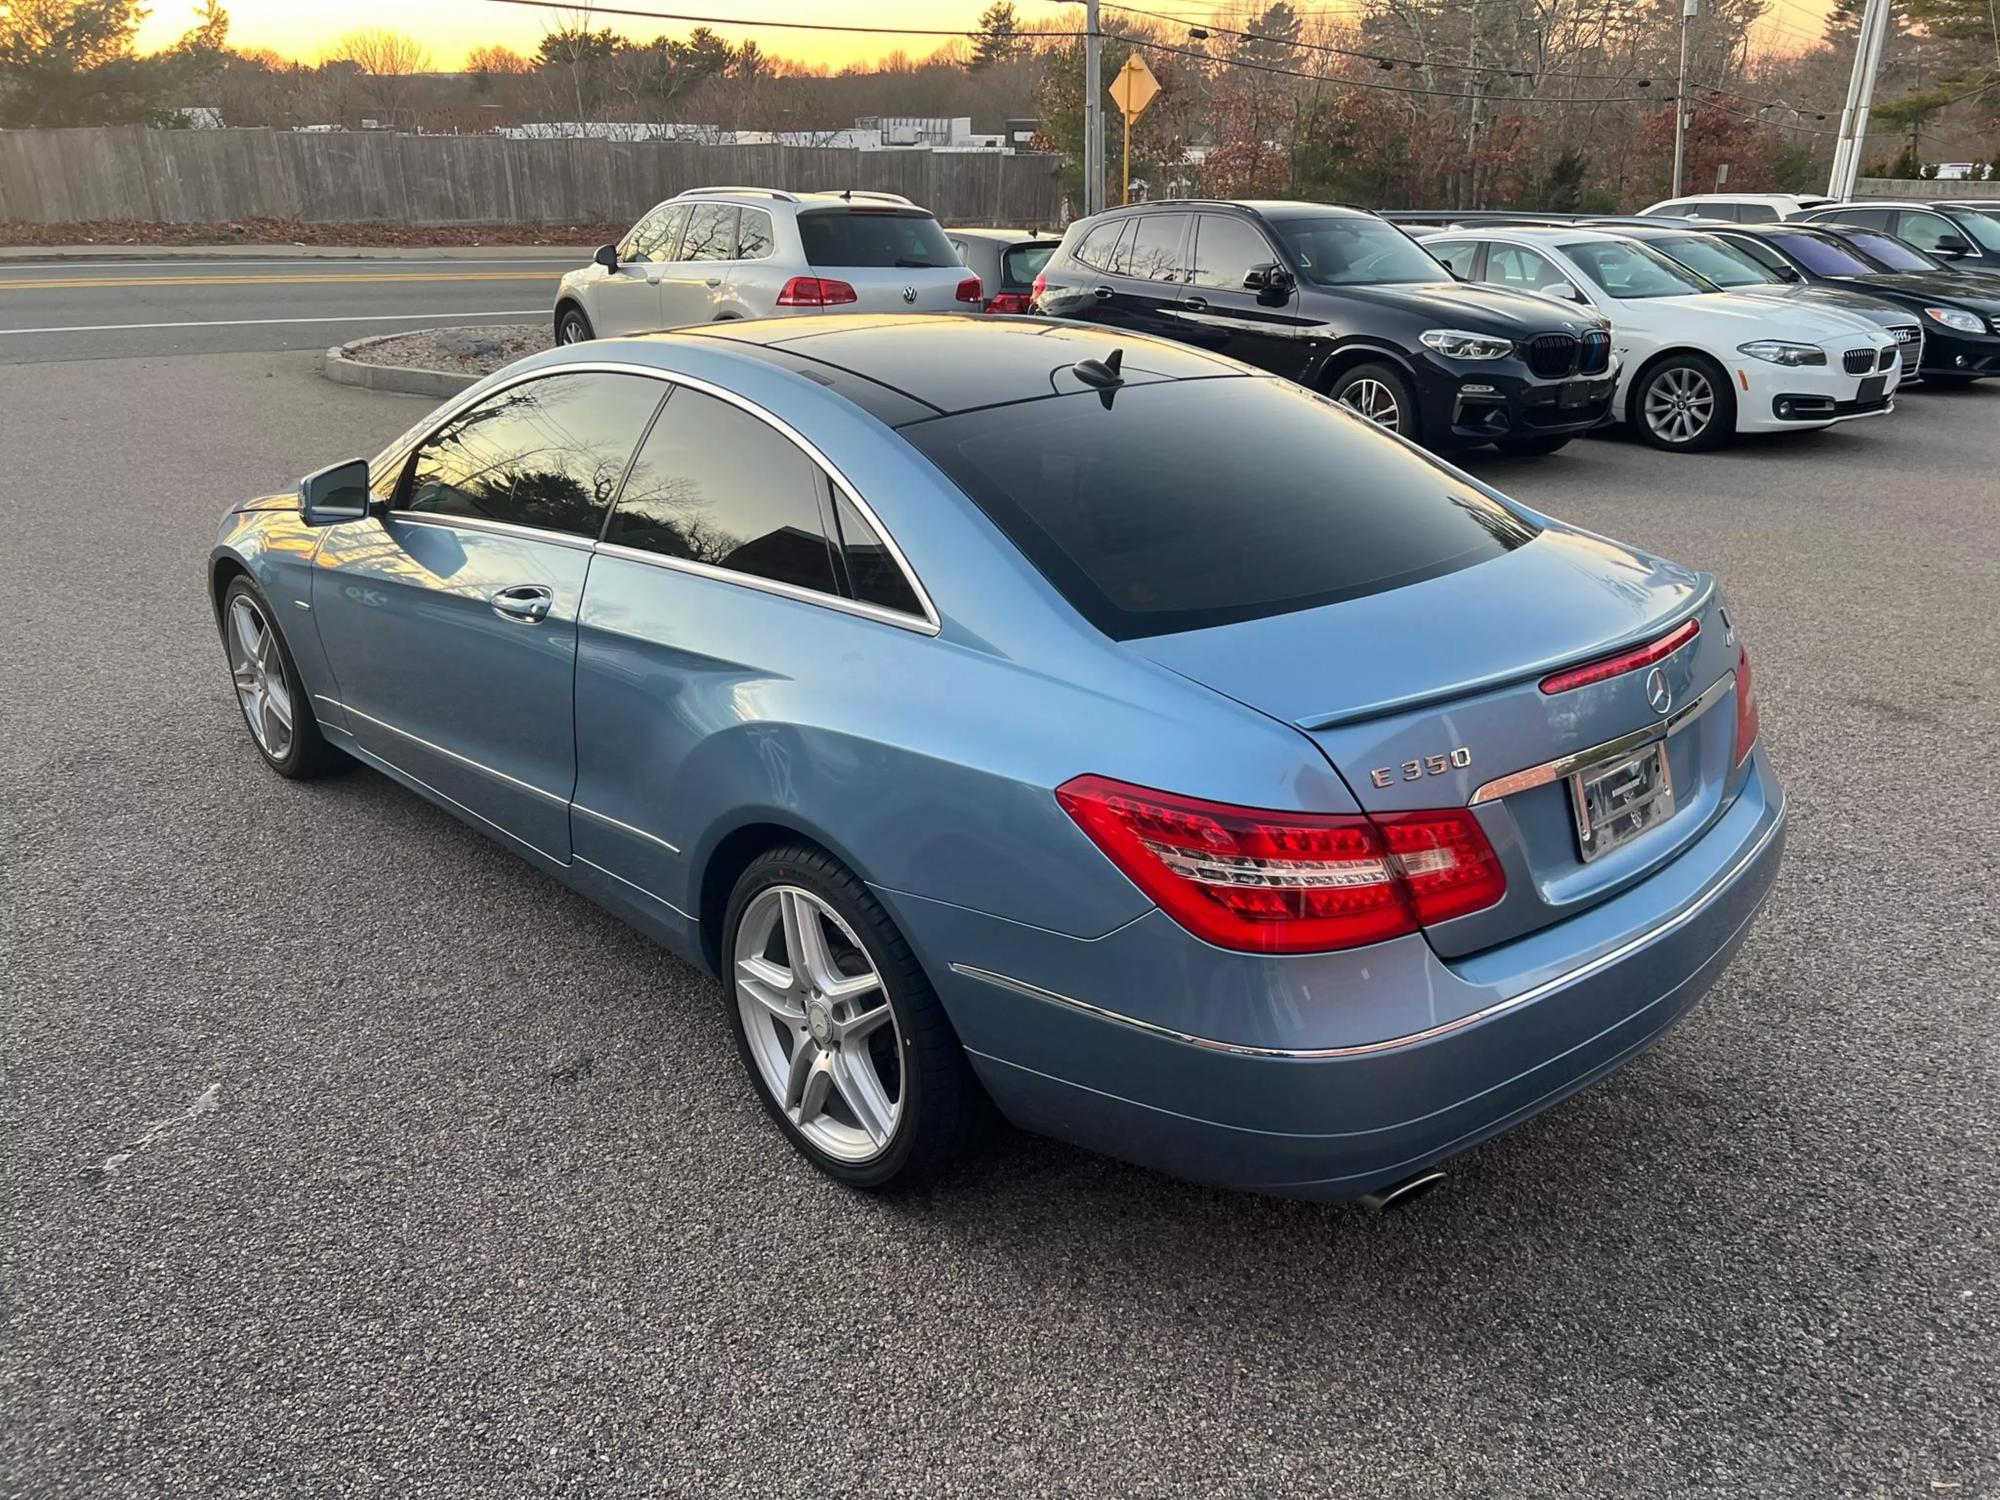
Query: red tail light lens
[
  {"x": 969, "y": 290},
  {"x": 815, "y": 291},
  {"x": 1007, "y": 302},
  {"x": 1283, "y": 882},
  {"x": 1041, "y": 285},
  {"x": 1746, "y": 707},
  {"x": 1625, "y": 661}
]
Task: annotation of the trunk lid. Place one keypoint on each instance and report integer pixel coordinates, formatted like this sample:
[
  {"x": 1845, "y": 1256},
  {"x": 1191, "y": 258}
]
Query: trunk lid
[{"x": 1426, "y": 696}]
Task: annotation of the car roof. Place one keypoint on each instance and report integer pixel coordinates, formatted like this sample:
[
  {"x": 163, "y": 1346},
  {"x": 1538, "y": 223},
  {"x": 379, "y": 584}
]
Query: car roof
[
  {"x": 1270, "y": 208},
  {"x": 905, "y": 368},
  {"x": 1006, "y": 236}
]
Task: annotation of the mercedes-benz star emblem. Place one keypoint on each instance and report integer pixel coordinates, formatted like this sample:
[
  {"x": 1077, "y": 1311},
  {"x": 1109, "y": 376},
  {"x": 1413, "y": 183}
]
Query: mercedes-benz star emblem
[
  {"x": 909, "y": 294},
  {"x": 1659, "y": 697}
]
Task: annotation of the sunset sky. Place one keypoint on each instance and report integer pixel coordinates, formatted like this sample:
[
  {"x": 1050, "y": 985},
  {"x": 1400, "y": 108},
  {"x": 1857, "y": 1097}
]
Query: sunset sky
[{"x": 304, "y": 29}]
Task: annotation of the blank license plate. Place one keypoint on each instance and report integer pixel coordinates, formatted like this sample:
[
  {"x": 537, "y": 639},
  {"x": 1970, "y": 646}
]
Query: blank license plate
[
  {"x": 1617, "y": 800},
  {"x": 1580, "y": 393},
  {"x": 1871, "y": 388}
]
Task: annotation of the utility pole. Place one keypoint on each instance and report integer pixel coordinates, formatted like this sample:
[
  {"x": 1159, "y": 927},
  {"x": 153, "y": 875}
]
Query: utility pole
[
  {"x": 1688, "y": 8},
  {"x": 1093, "y": 113},
  {"x": 1853, "y": 136}
]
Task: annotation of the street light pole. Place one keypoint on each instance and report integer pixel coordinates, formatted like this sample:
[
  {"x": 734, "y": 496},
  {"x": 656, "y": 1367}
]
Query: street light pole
[
  {"x": 1093, "y": 113},
  {"x": 1688, "y": 8}
]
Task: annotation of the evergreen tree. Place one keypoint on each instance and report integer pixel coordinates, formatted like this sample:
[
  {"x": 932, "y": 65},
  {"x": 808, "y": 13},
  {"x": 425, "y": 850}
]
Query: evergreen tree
[{"x": 998, "y": 39}]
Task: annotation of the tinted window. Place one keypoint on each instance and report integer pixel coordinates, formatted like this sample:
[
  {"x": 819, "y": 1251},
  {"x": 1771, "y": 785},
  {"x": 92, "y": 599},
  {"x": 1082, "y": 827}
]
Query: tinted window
[
  {"x": 1460, "y": 255},
  {"x": 1627, "y": 270},
  {"x": 714, "y": 485},
  {"x": 1862, "y": 218},
  {"x": 1676, "y": 210},
  {"x": 1752, "y": 213},
  {"x": 547, "y": 453},
  {"x": 1517, "y": 266},
  {"x": 1098, "y": 245},
  {"x": 874, "y": 237},
  {"x": 872, "y": 572},
  {"x": 1925, "y": 231},
  {"x": 1156, "y": 248},
  {"x": 1887, "y": 250},
  {"x": 1355, "y": 252},
  {"x": 753, "y": 235},
  {"x": 1824, "y": 257},
  {"x": 1980, "y": 228},
  {"x": 1722, "y": 263},
  {"x": 1021, "y": 264},
  {"x": 1225, "y": 251},
  {"x": 654, "y": 237},
  {"x": 1192, "y": 503},
  {"x": 1726, "y": 212},
  {"x": 1764, "y": 255},
  {"x": 711, "y": 233}
]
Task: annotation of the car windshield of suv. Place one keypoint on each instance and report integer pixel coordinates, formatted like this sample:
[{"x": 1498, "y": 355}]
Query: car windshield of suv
[
  {"x": 1630, "y": 271},
  {"x": 1721, "y": 262},
  {"x": 1891, "y": 252},
  {"x": 1184, "y": 504},
  {"x": 1823, "y": 257},
  {"x": 1355, "y": 252},
  {"x": 1982, "y": 228},
  {"x": 874, "y": 237}
]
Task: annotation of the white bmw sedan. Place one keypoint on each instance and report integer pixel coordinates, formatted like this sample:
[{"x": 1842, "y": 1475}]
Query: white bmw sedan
[{"x": 1699, "y": 364}]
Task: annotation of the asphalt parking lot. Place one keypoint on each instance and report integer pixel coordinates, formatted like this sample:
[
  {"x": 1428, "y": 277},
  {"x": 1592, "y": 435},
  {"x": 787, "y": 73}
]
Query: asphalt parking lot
[{"x": 346, "y": 1155}]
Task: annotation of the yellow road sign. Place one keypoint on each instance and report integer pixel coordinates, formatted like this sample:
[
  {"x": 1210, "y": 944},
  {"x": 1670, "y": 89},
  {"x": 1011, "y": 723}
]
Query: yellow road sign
[{"x": 1134, "y": 87}]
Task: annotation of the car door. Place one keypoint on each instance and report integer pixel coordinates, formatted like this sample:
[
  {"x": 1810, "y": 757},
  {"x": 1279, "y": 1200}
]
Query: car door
[
  {"x": 1082, "y": 286},
  {"x": 449, "y": 621},
  {"x": 1218, "y": 311},
  {"x": 735, "y": 581},
  {"x": 1148, "y": 283},
  {"x": 693, "y": 285},
  {"x": 627, "y": 300}
]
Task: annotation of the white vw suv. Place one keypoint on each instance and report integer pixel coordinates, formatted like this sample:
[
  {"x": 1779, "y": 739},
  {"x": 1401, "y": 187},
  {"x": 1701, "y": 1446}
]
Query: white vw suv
[
  {"x": 738, "y": 252},
  {"x": 1697, "y": 364}
]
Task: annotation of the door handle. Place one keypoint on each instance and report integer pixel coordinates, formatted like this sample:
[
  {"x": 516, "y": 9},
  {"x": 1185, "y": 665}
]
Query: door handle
[
  {"x": 1195, "y": 304},
  {"x": 1102, "y": 294},
  {"x": 714, "y": 281},
  {"x": 527, "y": 602}
]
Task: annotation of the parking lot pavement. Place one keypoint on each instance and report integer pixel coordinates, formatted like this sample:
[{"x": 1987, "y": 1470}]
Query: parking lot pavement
[{"x": 346, "y": 1155}]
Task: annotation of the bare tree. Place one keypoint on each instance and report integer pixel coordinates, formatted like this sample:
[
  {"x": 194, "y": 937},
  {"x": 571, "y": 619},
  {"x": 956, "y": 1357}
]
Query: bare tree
[{"x": 389, "y": 59}]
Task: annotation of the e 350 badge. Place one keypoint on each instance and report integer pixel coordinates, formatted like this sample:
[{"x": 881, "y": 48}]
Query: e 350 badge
[{"x": 1417, "y": 770}]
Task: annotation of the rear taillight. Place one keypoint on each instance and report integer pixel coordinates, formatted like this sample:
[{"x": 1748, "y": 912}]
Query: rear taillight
[
  {"x": 1746, "y": 707},
  {"x": 1285, "y": 882},
  {"x": 1625, "y": 661},
  {"x": 969, "y": 290},
  {"x": 1007, "y": 302},
  {"x": 1041, "y": 285},
  {"x": 815, "y": 291}
]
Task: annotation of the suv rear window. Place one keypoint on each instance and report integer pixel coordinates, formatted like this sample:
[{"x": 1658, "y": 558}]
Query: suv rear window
[
  {"x": 1186, "y": 504},
  {"x": 1021, "y": 264},
  {"x": 874, "y": 237}
]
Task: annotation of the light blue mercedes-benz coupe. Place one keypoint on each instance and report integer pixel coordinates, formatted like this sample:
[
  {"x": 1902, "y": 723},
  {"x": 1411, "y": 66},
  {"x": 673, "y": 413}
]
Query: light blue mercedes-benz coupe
[{"x": 1009, "y": 710}]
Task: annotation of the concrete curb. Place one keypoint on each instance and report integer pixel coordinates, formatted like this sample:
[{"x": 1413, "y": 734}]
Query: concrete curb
[{"x": 338, "y": 364}]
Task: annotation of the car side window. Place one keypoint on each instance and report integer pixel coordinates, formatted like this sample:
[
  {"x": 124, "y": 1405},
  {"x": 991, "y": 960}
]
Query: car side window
[
  {"x": 1926, "y": 231},
  {"x": 546, "y": 453},
  {"x": 1156, "y": 248},
  {"x": 873, "y": 574},
  {"x": 714, "y": 485},
  {"x": 754, "y": 239},
  {"x": 1746, "y": 212},
  {"x": 1518, "y": 266},
  {"x": 1760, "y": 252},
  {"x": 1225, "y": 250},
  {"x": 654, "y": 237},
  {"x": 1675, "y": 210},
  {"x": 711, "y": 233},
  {"x": 1460, "y": 255},
  {"x": 1097, "y": 247}
]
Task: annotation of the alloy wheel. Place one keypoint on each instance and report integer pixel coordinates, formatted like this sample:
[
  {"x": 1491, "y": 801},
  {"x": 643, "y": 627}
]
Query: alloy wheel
[
  {"x": 258, "y": 671},
  {"x": 818, "y": 1021},
  {"x": 1680, "y": 403},
  {"x": 570, "y": 331},
  {"x": 1375, "y": 401}
]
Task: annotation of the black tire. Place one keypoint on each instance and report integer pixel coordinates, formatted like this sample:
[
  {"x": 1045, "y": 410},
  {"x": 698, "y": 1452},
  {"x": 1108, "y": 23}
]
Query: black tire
[
  {"x": 573, "y": 325},
  {"x": 1532, "y": 446},
  {"x": 1350, "y": 389},
  {"x": 1690, "y": 371},
  {"x": 307, "y": 755},
  {"x": 942, "y": 1108}
]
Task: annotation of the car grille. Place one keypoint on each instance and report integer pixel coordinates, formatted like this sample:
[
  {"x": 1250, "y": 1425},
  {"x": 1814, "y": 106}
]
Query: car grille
[
  {"x": 1907, "y": 333},
  {"x": 1596, "y": 358},
  {"x": 1551, "y": 355},
  {"x": 1887, "y": 361},
  {"x": 1858, "y": 361}
]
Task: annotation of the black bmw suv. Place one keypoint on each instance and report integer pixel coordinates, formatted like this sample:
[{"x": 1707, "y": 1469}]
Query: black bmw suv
[{"x": 1346, "y": 303}]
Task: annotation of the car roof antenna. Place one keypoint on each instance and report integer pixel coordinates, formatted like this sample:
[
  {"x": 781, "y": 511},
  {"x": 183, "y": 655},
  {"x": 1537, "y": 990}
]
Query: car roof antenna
[{"x": 1101, "y": 373}]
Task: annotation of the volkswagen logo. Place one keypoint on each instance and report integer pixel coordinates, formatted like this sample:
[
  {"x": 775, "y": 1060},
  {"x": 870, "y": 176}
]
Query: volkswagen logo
[
  {"x": 909, "y": 294},
  {"x": 1659, "y": 697}
]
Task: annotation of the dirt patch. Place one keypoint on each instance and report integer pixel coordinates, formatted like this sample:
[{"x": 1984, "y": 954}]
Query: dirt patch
[
  {"x": 302, "y": 232},
  {"x": 476, "y": 350}
]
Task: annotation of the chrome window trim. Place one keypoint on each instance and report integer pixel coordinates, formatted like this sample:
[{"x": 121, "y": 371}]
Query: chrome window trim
[
  {"x": 768, "y": 586},
  {"x": 464, "y": 760},
  {"x": 1563, "y": 765},
  {"x": 1364, "y": 1049},
  {"x": 497, "y": 528},
  {"x": 623, "y": 827},
  {"x": 928, "y": 624}
]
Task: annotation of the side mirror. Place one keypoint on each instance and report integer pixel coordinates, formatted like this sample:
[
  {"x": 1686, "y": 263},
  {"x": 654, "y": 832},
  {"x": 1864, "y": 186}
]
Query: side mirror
[
  {"x": 1270, "y": 281},
  {"x": 1951, "y": 247},
  {"x": 607, "y": 257},
  {"x": 1561, "y": 289},
  {"x": 337, "y": 493}
]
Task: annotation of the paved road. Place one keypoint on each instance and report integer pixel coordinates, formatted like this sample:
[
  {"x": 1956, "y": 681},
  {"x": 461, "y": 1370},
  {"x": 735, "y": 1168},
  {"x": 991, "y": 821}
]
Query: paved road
[
  {"x": 346, "y": 1155},
  {"x": 86, "y": 310}
]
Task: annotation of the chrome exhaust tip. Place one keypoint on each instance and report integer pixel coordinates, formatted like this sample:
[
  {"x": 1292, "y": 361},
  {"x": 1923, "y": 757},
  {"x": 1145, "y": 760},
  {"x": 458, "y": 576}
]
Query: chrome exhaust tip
[{"x": 1396, "y": 1194}]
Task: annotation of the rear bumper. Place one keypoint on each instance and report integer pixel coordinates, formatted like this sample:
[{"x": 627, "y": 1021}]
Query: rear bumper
[{"x": 1559, "y": 1009}]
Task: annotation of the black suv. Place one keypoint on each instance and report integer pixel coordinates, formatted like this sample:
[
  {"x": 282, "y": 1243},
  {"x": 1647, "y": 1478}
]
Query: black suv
[
  {"x": 1346, "y": 303},
  {"x": 1966, "y": 239}
]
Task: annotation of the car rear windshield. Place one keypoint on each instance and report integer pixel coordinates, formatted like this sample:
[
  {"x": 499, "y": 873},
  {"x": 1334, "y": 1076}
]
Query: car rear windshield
[
  {"x": 1355, "y": 251},
  {"x": 1186, "y": 504},
  {"x": 870, "y": 238},
  {"x": 1021, "y": 264}
]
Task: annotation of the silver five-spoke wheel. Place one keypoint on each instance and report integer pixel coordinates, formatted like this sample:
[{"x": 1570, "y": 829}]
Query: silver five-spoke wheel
[
  {"x": 818, "y": 1022},
  {"x": 259, "y": 675},
  {"x": 1376, "y": 402},
  {"x": 1680, "y": 403}
]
